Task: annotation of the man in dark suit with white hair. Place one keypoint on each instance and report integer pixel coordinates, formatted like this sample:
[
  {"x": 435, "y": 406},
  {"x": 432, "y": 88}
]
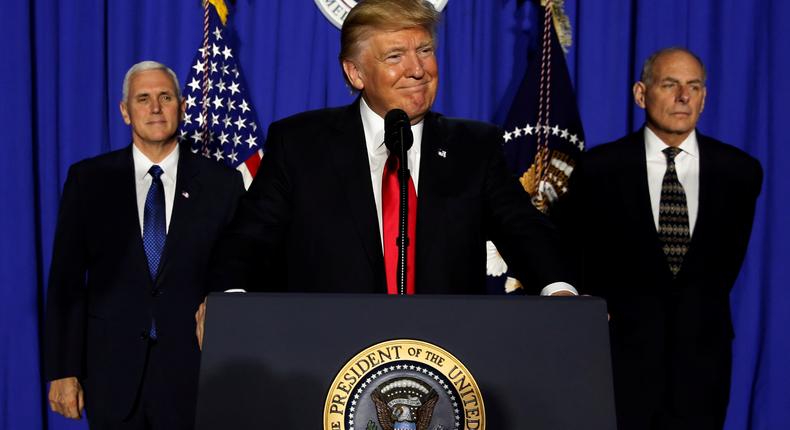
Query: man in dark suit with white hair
[
  {"x": 664, "y": 218},
  {"x": 134, "y": 233}
]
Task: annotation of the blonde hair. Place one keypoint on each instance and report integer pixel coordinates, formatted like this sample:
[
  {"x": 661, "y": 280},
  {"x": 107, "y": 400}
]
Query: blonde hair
[{"x": 371, "y": 15}]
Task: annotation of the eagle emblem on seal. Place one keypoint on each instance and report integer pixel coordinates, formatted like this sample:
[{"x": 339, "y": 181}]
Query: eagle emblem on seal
[{"x": 404, "y": 404}]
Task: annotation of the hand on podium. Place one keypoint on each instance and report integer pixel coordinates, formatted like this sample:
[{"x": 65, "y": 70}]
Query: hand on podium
[
  {"x": 562, "y": 293},
  {"x": 65, "y": 397},
  {"x": 200, "y": 321}
]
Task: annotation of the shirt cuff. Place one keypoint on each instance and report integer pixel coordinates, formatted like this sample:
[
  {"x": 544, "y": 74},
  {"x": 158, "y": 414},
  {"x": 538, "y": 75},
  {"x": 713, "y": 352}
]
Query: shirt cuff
[{"x": 558, "y": 286}]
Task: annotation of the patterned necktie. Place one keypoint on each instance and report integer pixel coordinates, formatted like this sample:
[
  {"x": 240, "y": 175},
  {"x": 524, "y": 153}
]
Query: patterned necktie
[
  {"x": 673, "y": 217},
  {"x": 390, "y": 214},
  {"x": 154, "y": 231}
]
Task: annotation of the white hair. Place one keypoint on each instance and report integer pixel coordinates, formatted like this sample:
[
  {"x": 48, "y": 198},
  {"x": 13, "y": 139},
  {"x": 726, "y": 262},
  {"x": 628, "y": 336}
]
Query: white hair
[
  {"x": 647, "y": 67},
  {"x": 149, "y": 65}
]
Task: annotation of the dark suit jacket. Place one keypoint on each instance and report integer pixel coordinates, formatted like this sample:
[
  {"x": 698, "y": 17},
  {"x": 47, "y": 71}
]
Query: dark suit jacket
[
  {"x": 309, "y": 222},
  {"x": 670, "y": 338},
  {"x": 101, "y": 298}
]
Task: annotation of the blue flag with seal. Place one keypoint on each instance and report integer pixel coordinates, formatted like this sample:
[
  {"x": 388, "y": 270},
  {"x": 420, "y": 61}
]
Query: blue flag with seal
[
  {"x": 219, "y": 120},
  {"x": 543, "y": 135}
]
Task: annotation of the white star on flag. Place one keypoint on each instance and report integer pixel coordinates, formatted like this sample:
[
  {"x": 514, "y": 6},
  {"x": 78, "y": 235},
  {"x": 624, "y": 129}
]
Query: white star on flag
[
  {"x": 197, "y": 136},
  {"x": 223, "y": 137},
  {"x": 195, "y": 84},
  {"x": 234, "y": 88},
  {"x": 199, "y": 67}
]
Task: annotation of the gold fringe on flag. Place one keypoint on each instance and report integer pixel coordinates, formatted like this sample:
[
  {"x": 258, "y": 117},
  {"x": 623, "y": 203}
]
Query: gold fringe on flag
[
  {"x": 222, "y": 10},
  {"x": 562, "y": 24}
]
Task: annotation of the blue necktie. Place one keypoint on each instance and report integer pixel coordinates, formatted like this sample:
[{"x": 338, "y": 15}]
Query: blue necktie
[{"x": 154, "y": 230}]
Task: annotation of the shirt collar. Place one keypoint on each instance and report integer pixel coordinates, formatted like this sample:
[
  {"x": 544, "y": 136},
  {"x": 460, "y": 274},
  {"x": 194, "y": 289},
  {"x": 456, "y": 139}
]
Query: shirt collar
[
  {"x": 654, "y": 145},
  {"x": 142, "y": 163},
  {"x": 373, "y": 126}
]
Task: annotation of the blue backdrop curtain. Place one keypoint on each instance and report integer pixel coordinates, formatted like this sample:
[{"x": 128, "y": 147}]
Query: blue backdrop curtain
[{"x": 64, "y": 60}]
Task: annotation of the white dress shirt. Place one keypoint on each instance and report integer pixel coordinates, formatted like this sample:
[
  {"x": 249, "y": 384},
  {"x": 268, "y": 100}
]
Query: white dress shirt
[
  {"x": 373, "y": 126},
  {"x": 686, "y": 166},
  {"x": 142, "y": 180}
]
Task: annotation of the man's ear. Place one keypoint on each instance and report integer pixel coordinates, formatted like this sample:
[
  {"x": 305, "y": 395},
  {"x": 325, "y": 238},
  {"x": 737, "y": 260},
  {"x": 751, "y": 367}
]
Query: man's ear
[
  {"x": 354, "y": 75},
  {"x": 125, "y": 113},
  {"x": 639, "y": 90}
]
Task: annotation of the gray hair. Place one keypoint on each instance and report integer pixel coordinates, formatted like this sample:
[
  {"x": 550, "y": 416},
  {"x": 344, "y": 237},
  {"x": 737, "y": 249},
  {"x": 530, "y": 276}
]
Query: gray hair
[
  {"x": 647, "y": 67},
  {"x": 149, "y": 65}
]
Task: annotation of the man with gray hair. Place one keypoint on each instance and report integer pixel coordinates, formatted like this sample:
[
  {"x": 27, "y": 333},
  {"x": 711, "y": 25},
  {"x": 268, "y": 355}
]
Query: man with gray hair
[
  {"x": 134, "y": 232},
  {"x": 664, "y": 218}
]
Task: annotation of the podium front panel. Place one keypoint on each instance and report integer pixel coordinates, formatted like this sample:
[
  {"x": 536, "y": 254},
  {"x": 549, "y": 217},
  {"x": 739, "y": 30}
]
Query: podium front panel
[{"x": 269, "y": 360}]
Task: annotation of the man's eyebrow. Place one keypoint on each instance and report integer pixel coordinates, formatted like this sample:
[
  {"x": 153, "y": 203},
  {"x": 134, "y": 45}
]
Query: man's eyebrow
[
  {"x": 677, "y": 81},
  {"x": 394, "y": 48},
  {"x": 162, "y": 92}
]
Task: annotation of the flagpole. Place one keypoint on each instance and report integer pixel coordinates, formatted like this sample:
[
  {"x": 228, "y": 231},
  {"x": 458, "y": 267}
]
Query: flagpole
[
  {"x": 206, "y": 70},
  {"x": 544, "y": 104}
]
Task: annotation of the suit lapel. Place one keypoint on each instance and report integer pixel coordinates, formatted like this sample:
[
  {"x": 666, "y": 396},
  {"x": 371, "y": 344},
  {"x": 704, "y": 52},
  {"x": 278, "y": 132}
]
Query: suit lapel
[
  {"x": 186, "y": 195},
  {"x": 434, "y": 172},
  {"x": 350, "y": 159},
  {"x": 707, "y": 194},
  {"x": 127, "y": 217},
  {"x": 634, "y": 185}
]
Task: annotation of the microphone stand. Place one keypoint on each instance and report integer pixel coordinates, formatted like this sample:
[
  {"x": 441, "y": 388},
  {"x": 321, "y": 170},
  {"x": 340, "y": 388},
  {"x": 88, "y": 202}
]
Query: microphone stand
[{"x": 403, "y": 225}]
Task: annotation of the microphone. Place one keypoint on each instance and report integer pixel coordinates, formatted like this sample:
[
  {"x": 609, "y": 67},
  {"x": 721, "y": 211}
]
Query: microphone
[{"x": 397, "y": 132}]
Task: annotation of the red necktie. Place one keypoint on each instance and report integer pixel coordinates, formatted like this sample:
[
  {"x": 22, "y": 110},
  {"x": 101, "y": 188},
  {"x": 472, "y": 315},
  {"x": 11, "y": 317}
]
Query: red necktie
[{"x": 390, "y": 213}]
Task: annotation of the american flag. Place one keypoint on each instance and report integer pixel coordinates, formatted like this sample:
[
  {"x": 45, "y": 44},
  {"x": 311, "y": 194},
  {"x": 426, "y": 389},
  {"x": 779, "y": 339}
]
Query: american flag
[{"x": 226, "y": 129}]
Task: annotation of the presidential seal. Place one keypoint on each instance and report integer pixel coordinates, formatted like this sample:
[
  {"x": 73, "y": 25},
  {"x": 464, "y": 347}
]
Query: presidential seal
[
  {"x": 336, "y": 10},
  {"x": 404, "y": 384}
]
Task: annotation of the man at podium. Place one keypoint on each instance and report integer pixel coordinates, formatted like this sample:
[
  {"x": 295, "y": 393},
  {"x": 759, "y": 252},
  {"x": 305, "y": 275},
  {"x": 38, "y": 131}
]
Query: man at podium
[{"x": 319, "y": 216}]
